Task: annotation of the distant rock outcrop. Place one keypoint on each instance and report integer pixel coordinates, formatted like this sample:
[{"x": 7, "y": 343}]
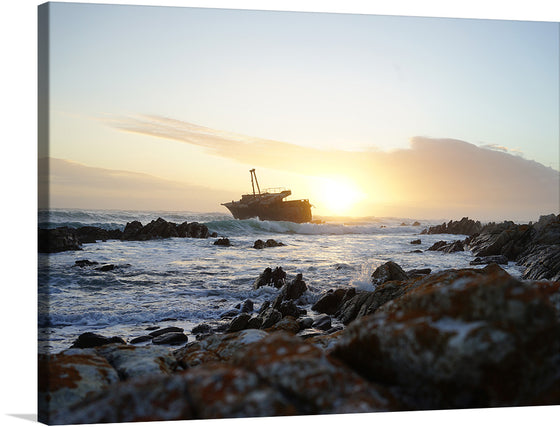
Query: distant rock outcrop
[
  {"x": 464, "y": 226},
  {"x": 58, "y": 240}
]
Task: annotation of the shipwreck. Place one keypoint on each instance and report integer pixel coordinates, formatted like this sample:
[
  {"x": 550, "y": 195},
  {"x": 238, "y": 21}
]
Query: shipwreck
[{"x": 269, "y": 205}]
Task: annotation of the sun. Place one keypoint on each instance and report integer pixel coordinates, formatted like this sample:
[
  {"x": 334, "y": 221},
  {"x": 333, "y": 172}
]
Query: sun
[{"x": 337, "y": 196}]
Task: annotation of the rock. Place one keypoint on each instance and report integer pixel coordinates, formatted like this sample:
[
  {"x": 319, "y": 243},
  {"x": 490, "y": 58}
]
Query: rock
[
  {"x": 387, "y": 272},
  {"x": 269, "y": 277},
  {"x": 416, "y": 242},
  {"x": 270, "y": 243},
  {"x": 193, "y": 229},
  {"x": 239, "y": 323},
  {"x": 322, "y": 323},
  {"x": 68, "y": 377},
  {"x": 135, "y": 362},
  {"x": 131, "y": 230},
  {"x": 106, "y": 267},
  {"x": 416, "y": 224},
  {"x": 293, "y": 290},
  {"x": 224, "y": 241},
  {"x": 58, "y": 240},
  {"x": 202, "y": 328},
  {"x": 318, "y": 384},
  {"x": 247, "y": 306},
  {"x": 416, "y": 251},
  {"x": 496, "y": 259},
  {"x": 287, "y": 324},
  {"x": 255, "y": 322},
  {"x": 170, "y": 338},
  {"x": 90, "y": 234},
  {"x": 229, "y": 313},
  {"x": 329, "y": 302},
  {"x": 162, "y": 331},
  {"x": 85, "y": 263},
  {"x": 459, "y": 339},
  {"x": 542, "y": 262},
  {"x": 141, "y": 339},
  {"x": 270, "y": 316},
  {"x": 465, "y": 226},
  {"x": 418, "y": 272},
  {"x": 90, "y": 339},
  {"x": 289, "y": 308},
  {"x": 304, "y": 323},
  {"x": 443, "y": 246}
]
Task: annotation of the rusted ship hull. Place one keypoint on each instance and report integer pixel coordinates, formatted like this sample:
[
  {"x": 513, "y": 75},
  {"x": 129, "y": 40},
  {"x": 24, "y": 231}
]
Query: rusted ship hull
[{"x": 293, "y": 211}]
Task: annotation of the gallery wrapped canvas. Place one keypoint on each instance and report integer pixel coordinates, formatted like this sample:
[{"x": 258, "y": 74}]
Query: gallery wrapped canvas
[{"x": 252, "y": 213}]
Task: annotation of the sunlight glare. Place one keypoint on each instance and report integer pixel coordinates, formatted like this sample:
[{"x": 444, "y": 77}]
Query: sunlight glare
[{"x": 337, "y": 195}]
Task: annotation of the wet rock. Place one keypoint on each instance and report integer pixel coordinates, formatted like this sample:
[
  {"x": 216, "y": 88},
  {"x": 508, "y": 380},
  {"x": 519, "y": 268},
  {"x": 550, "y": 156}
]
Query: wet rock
[
  {"x": 293, "y": 290},
  {"x": 106, "y": 267},
  {"x": 90, "y": 234},
  {"x": 239, "y": 323},
  {"x": 465, "y": 226},
  {"x": 134, "y": 362},
  {"x": 496, "y": 259},
  {"x": 255, "y": 322},
  {"x": 170, "y": 338},
  {"x": 141, "y": 339},
  {"x": 322, "y": 323},
  {"x": 416, "y": 242},
  {"x": 269, "y": 277},
  {"x": 58, "y": 240},
  {"x": 270, "y": 243},
  {"x": 270, "y": 316},
  {"x": 416, "y": 224},
  {"x": 202, "y": 328},
  {"x": 85, "y": 263},
  {"x": 131, "y": 230},
  {"x": 329, "y": 302},
  {"x": 229, "y": 313},
  {"x": 224, "y": 241},
  {"x": 458, "y": 339},
  {"x": 247, "y": 306},
  {"x": 387, "y": 272},
  {"x": 305, "y": 323},
  {"x": 287, "y": 324},
  {"x": 68, "y": 377},
  {"x": 90, "y": 339},
  {"x": 289, "y": 308},
  {"x": 443, "y": 246},
  {"x": 542, "y": 262},
  {"x": 162, "y": 331}
]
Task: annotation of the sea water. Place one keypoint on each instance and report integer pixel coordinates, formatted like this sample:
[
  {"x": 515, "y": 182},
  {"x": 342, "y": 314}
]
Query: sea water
[{"x": 186, "y": 281}]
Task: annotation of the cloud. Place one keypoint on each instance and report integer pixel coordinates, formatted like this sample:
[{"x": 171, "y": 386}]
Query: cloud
[
  {"x": 433, "y": 175},
  {"x": 64, "y": 183},
  {"x": 503, "y": 149}
]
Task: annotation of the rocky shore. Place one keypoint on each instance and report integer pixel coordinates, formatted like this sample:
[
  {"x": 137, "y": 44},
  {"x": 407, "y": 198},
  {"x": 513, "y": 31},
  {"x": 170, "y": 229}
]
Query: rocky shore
[{"x": 464, "y": 338}]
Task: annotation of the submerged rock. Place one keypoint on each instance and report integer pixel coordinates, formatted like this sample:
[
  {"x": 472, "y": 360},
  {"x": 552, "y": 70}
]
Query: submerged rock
[{"x": 224, "y": 241}]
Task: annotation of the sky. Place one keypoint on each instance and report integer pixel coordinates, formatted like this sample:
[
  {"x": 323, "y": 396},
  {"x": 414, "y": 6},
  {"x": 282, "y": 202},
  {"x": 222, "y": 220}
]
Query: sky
[{"x": 167, "y": 108}]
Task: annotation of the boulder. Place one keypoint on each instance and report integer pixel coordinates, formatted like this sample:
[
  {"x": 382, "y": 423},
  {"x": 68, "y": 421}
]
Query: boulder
[
  {"x": 443, "y": 246},
  {"x": 270, "y": 316},
  {"x": 387, "y": 272},
  {"x": 493, "y": 259},
  {"x": 329, "y": 302},
  {"x": 140, "y": 339},
  {"x": 58, "y": 240},
  {"x": 418, "y": 272},
  {"x": 91, "y": 339},
  {"x": 90, "y": 234},
  {"x": 459, "y": 339},
  {"x": 322, "y": 323},
  {"x": 270, "y": 243},
  {"x": 162, "y": 331},
  {"x": 239, "y": 322},
  {"x": 416, "y": 242},
  {"x": 131, "y": 230},
  {"x": 135, "y": 362},
  {"x": 170, "y": 338},
  {"x": 68, "y": 377}
]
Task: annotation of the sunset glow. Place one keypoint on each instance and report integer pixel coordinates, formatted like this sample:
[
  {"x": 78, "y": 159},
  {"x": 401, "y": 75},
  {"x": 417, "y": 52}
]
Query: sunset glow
[{"x": 337, "y": 196}]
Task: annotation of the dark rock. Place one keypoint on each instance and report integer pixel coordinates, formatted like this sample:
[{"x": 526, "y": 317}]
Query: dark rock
[
  {"x": 229, "y": 313},
  {"x": 270, "y": 243},
  {"x": 496, "y": 259},
  {"x": 329, "y": 302},
  {"x": 294, "y": 289},
  {"x": 259, "y": 244},
  {"x": 255, "y": 322},
  {"x": 58, "y": 240},
  {"x": 85, "y": 263},
  {"x": 415, "y": 224},
  {"x": 305, "y": 323},
  {"x": 162, "y": 331},
  {"x": 322, "y": 322},
  {"x": 213, "y": 234},
  {"x": 416, "y": 251},
  {"x": 90, "y": 339},
  {"x": 416, "y": 242},
  {"x": 247, "y": 306},
  {"x": 289, "y": 308},
  {"x": 387, "y": 272},
  {"x": 170, "y": 338},
  {"x": 131, "y": 230},
  {"x": 90, "y": 234},
  {"x": 224, "y": 241},
  {"x": 269, "y": 277},
  {"x": 195, "y": 230},
  {"x": 443, "y": 246},
  {"x": 239, "y": 323},
  {"x": 270, "y": 316},
  {"x": 465, "y": 226},
  {"x": 141, "y": 339},
  {"x": 542, "y": 262},
  {"x": 106, "y": 267},
  {"x": 203, "y": 328},
  {"x": 152, "y": 328},
  {"x": 418, "y": 272}
]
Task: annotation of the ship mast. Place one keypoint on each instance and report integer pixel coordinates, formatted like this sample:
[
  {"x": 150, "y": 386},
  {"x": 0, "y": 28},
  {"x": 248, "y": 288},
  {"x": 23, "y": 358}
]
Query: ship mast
[{"x": 254, "y": 174}]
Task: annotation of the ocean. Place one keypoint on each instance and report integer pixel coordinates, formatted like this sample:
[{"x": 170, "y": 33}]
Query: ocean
[{"x": 186, "y": 281}]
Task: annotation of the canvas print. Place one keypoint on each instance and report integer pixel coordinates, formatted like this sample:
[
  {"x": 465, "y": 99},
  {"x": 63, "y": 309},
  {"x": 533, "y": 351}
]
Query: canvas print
[{"x": 252, "y": 213}]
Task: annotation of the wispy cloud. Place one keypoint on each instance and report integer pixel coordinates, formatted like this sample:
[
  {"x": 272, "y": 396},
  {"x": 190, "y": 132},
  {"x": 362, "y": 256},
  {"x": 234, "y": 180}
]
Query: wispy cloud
[{"x": 503, "y": 149}]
